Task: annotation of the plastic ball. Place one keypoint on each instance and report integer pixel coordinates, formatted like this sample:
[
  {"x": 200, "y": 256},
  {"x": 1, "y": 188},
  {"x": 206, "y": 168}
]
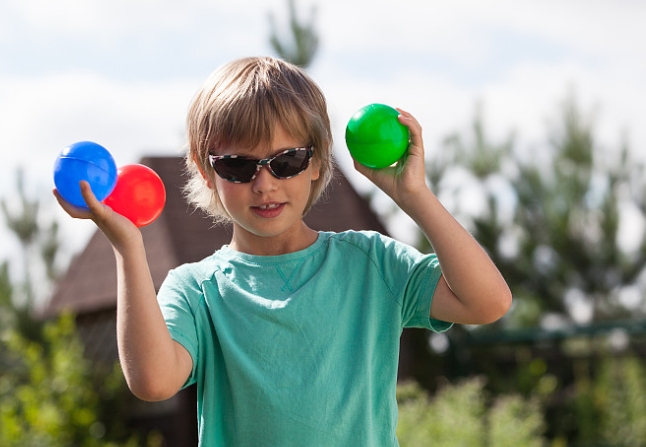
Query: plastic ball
[
  {"x": 139, "y": 194},
  {"x": 88, "y": 161},
  {"x": 375, "y": 137}
]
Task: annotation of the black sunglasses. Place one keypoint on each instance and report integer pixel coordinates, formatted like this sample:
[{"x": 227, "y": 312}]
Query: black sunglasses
[{"x": 239, "y": 169}]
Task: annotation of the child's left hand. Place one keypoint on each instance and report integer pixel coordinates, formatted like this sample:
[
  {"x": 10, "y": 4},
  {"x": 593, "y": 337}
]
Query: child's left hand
[{"x": 407, "y": 178}]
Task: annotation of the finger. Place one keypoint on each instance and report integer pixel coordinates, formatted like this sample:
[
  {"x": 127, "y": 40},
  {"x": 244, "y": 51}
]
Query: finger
[
  {"x": 372, "y": 172},
  {"x": 414, "y": 127},
  {"x": 100, "y": 211},
  {"x": 383, "y": 178},
  {"x": 362, "y": 169},
  {"x": 73, "y": 211},
  {"x": 373, "y": 175},
  {"x": 88, "y": 195}
]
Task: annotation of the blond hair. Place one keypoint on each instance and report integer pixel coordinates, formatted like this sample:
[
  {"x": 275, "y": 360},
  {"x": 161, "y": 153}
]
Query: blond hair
[{"x": 240, "y": 105}]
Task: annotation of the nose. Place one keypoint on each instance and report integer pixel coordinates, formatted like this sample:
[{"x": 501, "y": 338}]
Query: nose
[{"x": 264, "y": 181}]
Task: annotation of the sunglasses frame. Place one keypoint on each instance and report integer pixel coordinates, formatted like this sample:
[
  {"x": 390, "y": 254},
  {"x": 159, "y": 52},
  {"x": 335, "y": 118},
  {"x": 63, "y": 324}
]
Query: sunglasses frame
[{"x": 263, "y": 162}]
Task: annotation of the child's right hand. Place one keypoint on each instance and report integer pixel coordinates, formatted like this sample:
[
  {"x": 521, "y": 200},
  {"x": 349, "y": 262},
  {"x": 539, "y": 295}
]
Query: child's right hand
[{"x": 117, "y": 228}]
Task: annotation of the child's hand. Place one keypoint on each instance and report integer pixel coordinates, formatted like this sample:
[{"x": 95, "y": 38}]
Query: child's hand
[
  {"x": 407, "y": 178},
  {"x": 118, "y": 229}
]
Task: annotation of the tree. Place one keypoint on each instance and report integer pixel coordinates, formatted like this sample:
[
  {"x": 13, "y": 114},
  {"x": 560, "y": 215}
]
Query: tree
[
  {"x": 302, "y": 44},
  {"x": 39, "y": 244},
  {"x": 551, "y": 219}
]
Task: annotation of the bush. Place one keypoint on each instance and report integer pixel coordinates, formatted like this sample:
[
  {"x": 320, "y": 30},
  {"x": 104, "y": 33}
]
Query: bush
[
  {"x": 49, "y": 397},
  {"x": 460, "y": 415},
  {"x": 620, "y": 396}
]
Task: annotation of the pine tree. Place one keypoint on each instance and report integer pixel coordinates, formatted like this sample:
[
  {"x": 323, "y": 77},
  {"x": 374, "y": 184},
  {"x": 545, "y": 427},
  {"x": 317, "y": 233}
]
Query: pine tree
[
  {"x": 39, "y": 245},
  {"x": 301, "y": 46},
  {"x": 551, "y": 219}
]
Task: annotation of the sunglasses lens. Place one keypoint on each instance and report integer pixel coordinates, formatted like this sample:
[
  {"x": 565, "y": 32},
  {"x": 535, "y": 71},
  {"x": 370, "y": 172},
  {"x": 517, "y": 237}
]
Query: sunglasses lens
[
  {"x": 242, "y": 170},
  {"x": 235, "y": 169},
  {"x": 291, "y": 163}
]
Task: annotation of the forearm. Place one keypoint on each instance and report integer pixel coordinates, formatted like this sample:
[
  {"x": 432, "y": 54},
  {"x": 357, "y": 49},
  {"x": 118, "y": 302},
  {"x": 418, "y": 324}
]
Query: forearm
[
  {"x": 481, "y": 294},
  {"x": 471, "y": 289},
  {"x": 154, "y": 365},
  {"x": 148, "y": 355}
]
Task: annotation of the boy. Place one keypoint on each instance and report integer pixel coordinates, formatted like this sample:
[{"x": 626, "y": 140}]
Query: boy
[{"x": 291, "y": 335}]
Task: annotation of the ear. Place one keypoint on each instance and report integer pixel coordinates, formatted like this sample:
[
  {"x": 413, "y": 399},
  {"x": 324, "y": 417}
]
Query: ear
[
  {"x": 316, "y": 170},
  {"x": 206, "y": 178}
]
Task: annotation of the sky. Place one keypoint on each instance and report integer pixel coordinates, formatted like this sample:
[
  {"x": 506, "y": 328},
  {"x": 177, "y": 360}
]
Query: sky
[{"x": 122, "y": 73}]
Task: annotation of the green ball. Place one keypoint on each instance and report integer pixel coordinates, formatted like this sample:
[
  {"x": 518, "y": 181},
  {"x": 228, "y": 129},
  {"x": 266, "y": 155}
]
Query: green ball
[{"x": 375, "y": 137}]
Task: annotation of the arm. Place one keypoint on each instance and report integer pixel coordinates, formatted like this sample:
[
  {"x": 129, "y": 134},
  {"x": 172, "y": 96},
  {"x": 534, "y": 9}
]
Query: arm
[
  {"x": 471, "y": 289},
  {"x": 155, "y": 366}
]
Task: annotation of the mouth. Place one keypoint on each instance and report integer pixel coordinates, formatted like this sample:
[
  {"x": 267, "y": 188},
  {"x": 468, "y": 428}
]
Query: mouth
[
  {"x": 268, "y": 210},
  {"x": 269, "y": 206}
]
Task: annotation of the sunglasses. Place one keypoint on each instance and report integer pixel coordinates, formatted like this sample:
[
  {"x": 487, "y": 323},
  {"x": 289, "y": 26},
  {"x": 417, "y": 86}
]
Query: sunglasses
[{"x": 284, "y": 165}]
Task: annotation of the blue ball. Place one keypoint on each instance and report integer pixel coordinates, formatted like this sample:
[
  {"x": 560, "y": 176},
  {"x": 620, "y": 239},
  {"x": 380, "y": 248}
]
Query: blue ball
[{"x": 88, "y": 161}]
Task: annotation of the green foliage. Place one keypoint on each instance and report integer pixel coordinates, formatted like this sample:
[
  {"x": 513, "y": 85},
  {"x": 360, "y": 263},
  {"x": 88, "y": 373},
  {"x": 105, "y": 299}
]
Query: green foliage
[
  {"x": 6, "y": 295},
  {"x": 25, "y": 224},
  {"x": 620, "y": 399},
  {"x": 460, "y": 415},
  {"x": 49, "y": 396},
  {"x": 40, "y": 245},
  {"x": 551, "y": 217},
  {"x": 605, "y": 405},
  {"x": 303, "y": 41}
]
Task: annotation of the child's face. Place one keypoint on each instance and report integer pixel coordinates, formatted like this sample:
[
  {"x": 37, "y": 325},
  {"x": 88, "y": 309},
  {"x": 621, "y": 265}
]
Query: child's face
[{"x": 267, "y": 211}]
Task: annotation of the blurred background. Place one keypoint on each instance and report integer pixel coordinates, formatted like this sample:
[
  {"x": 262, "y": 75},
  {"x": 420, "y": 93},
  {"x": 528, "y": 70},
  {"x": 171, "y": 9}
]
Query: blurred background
[
  {"x": 532, "y": 116},
  {"x": 122, "y": 73}
]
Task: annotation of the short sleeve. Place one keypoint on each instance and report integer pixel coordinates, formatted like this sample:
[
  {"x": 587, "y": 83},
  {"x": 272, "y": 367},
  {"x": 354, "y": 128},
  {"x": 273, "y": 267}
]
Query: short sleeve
[
  {"x": 418, "y": 295},
  {"x": 178, "y": 297},
  {"x": 411, "y": 276}
]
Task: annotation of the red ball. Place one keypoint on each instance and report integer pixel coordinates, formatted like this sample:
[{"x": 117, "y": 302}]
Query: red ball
[{"x": 139, "y": 194}]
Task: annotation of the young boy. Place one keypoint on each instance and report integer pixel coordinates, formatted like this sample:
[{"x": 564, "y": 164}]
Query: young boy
[{"x": 291, "y": 335}]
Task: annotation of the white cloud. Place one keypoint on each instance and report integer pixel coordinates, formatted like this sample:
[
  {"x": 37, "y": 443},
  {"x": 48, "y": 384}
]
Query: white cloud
[
  {"x": 106, "y": 20},
  {"x": 41, "y": 116}
]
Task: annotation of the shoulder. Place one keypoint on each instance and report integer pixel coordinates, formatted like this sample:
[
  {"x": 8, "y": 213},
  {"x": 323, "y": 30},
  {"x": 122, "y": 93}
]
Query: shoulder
[
  {"x": 363, "y": 238},
  {"x": 369, "y": 242},
  {"x": 383, "y": 252},
  {"x": 195, "y": 272},
  {"x": 184, "y": 284}
]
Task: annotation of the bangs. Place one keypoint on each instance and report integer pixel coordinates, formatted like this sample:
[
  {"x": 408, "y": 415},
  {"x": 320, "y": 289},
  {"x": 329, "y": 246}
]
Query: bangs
[
  {"x": 251, "y": 121},
  {"x": 247, "y": 115}
]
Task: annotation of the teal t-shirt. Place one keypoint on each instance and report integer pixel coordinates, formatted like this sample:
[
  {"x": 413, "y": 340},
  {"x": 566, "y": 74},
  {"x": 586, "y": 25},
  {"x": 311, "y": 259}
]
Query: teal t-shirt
[{"x": 300, "y": 349}]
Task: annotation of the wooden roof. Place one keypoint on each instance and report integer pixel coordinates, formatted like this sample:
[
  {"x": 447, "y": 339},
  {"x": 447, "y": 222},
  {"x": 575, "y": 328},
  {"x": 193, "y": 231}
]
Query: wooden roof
[{"x": 181, "y": 235}]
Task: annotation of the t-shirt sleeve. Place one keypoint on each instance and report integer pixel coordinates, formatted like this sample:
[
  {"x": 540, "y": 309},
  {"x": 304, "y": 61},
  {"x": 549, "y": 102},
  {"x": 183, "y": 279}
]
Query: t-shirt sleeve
[
  {"x": 418, "y": 297},
  {"x": 414, "y": 276},
  {"x": 177, "y": 297}
]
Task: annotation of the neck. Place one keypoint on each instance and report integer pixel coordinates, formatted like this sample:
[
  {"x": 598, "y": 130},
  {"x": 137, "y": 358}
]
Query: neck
[{"x": 288, "y": 242}]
